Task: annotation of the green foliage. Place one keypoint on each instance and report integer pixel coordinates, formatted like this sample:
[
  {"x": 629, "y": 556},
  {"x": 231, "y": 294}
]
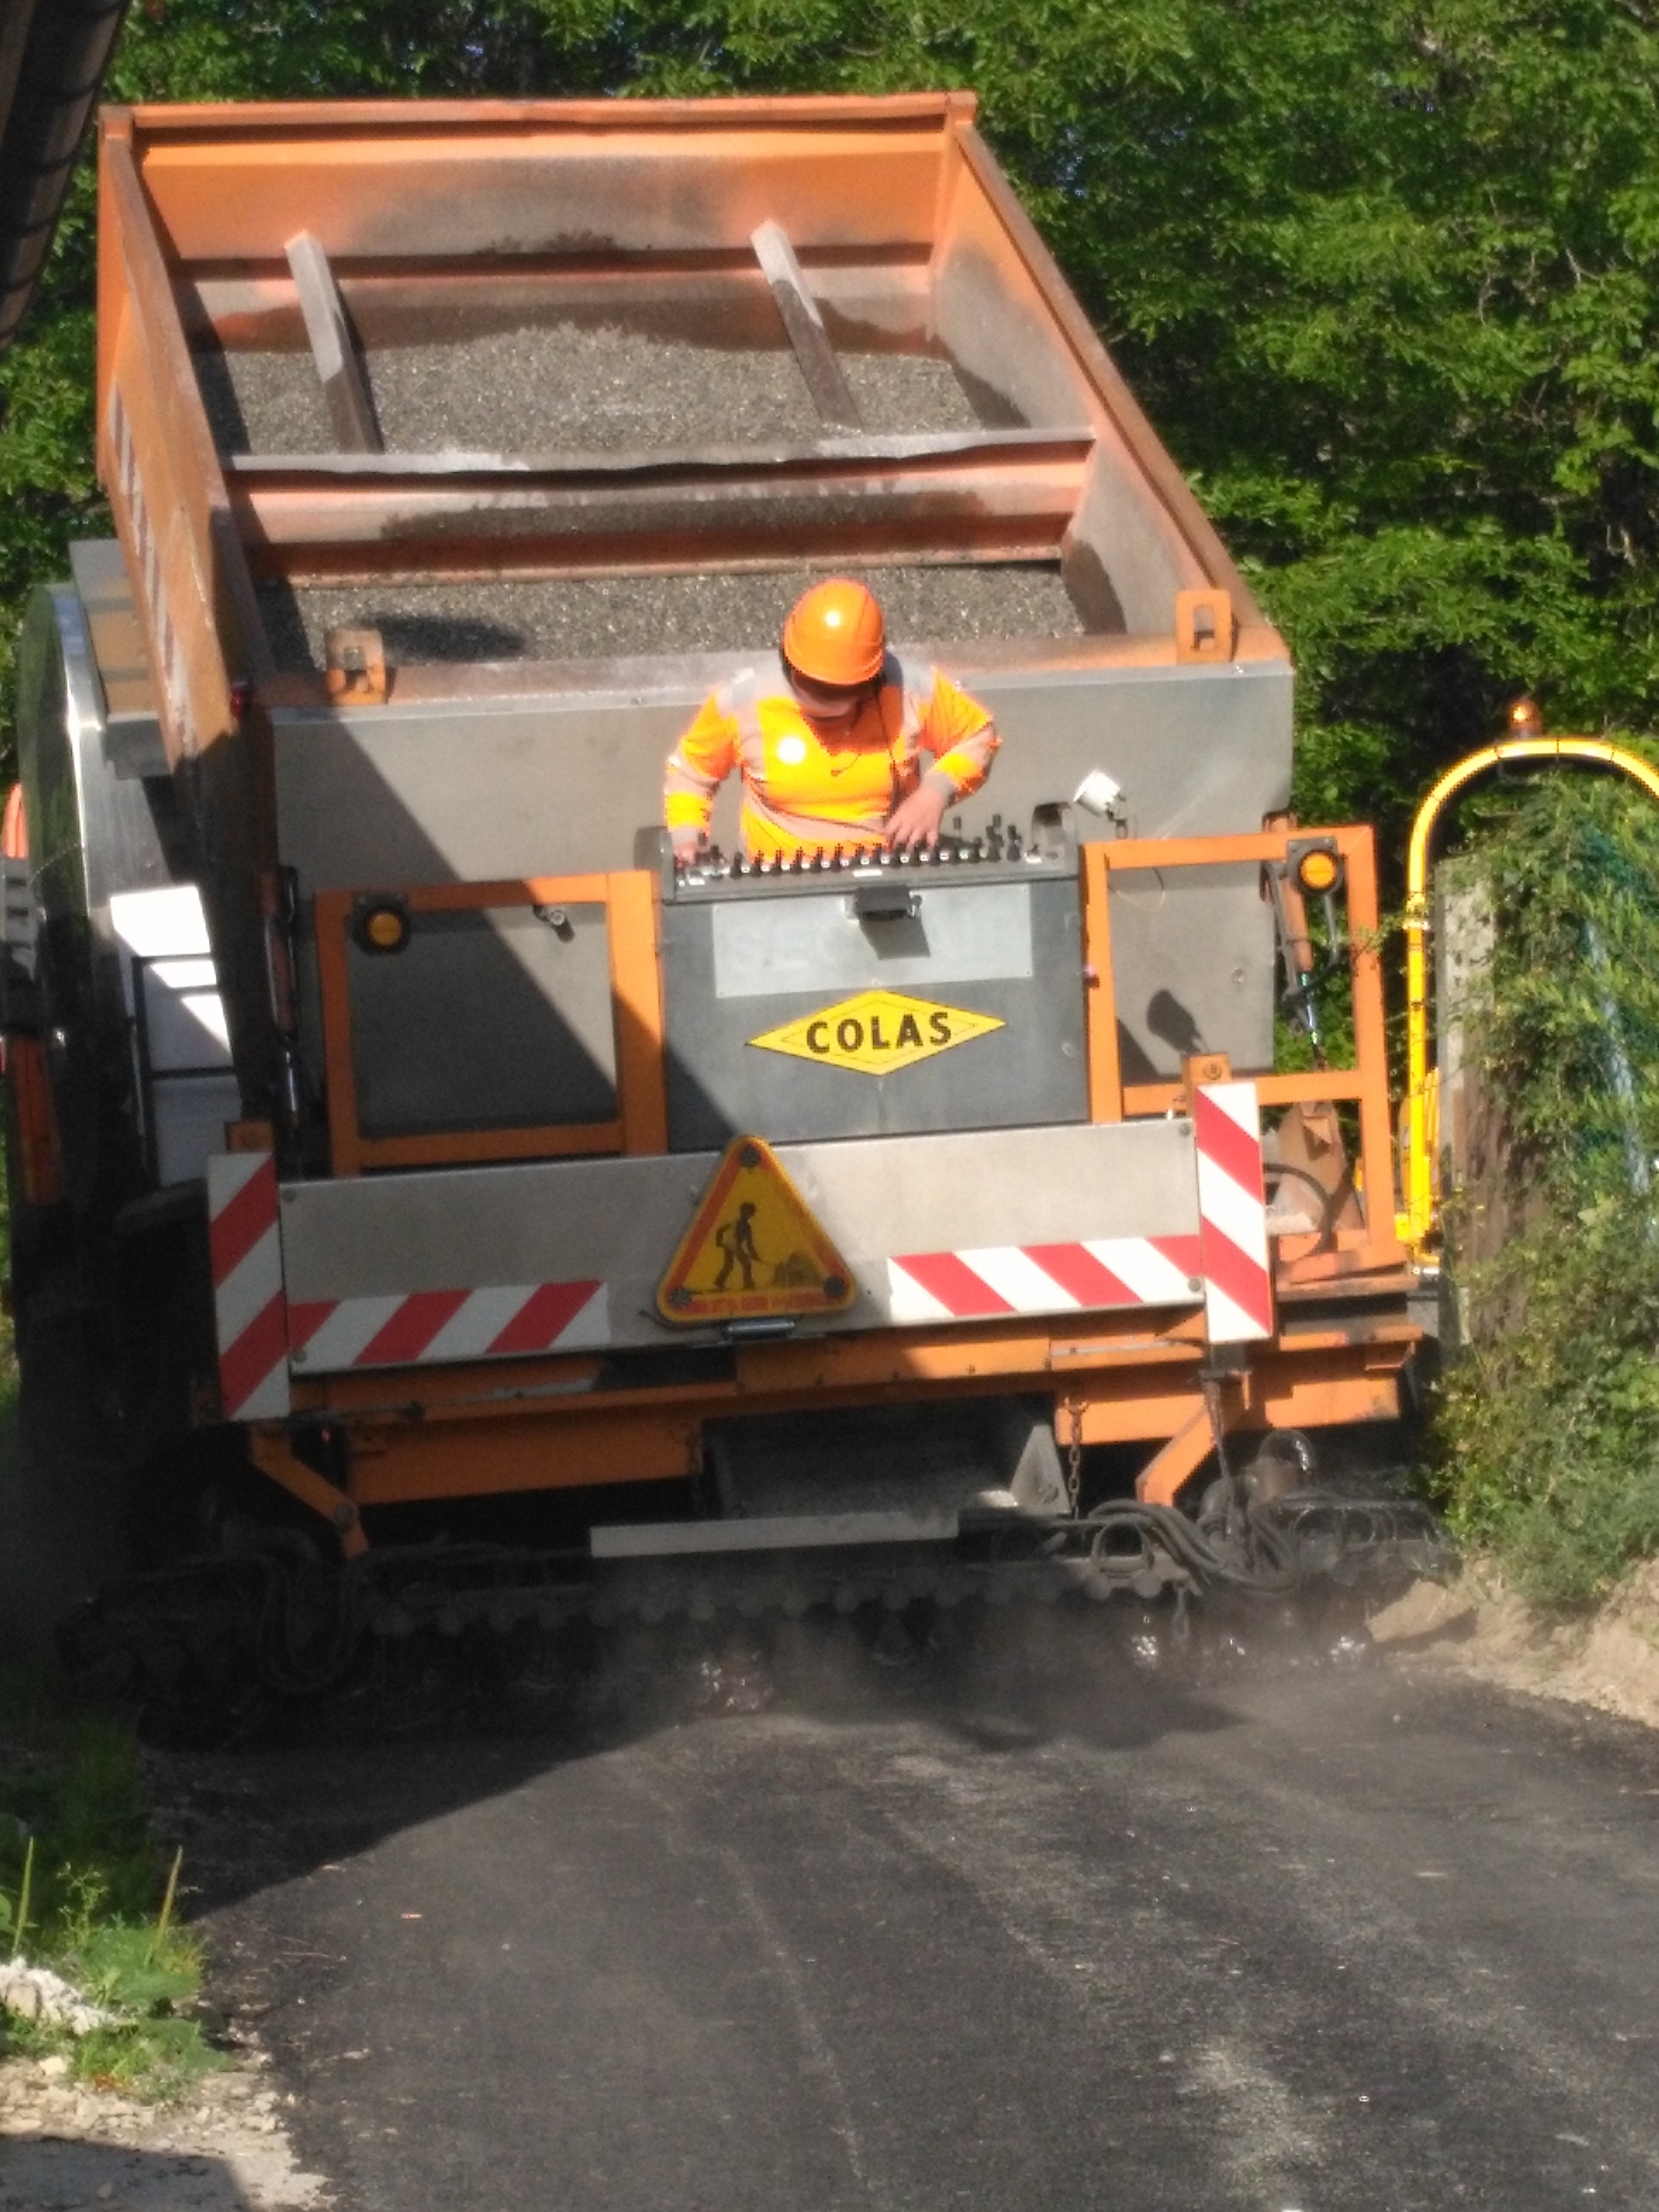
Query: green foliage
[
  {"x": 75, "y": 1841},
  {"x": 1549, "y": 1427},
  {"x": 1385, "y": 278},
  {"x": 1549, "y": 1421},
  {"x": 74, "y": 1784},
  {"x": 156, "y": 2057}
]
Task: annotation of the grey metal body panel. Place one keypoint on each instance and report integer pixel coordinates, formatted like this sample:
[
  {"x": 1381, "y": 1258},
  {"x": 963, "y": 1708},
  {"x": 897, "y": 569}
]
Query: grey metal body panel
[
  {"x": 819, "y": 942},
  {"x": 491, "y": 1019},
  {"x": 559, "y": 784},
  {"x": 618, "y": 1221},
  {"x": 779, "y": 1532},
  {"x": 1033, "y": 1068},
  {"x": 93, "y": 832},
  {"x": 133, "y": 743},
  {"x": 1186, "y": 968}
]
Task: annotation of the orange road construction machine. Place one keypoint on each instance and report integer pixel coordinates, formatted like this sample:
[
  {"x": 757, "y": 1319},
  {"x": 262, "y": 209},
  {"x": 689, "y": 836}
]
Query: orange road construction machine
[{"x": 470, "y": 1206}]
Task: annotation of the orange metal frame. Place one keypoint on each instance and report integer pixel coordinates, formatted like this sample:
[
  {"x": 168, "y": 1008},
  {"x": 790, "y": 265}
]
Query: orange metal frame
[
  {"x": 198, "y": 204},
  {"x": 630, "y": 898},
  {"x": 455, "y": 1431},
  {"x": 1364, "y": 1083}
]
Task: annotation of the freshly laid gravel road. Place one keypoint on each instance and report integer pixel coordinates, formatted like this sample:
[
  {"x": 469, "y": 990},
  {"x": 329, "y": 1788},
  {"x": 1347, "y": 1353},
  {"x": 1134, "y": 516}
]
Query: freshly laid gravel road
[{"x": 1304, "y": 1940}]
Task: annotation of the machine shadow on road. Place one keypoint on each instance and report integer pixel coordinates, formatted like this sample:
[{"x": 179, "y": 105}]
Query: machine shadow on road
[
  {"x": 41, "y": 2171},
  {"x": 433, "y": 1725}
]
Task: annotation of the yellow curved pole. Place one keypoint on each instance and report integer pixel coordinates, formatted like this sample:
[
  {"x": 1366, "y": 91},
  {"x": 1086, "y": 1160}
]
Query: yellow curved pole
[{"x": 1420, "y": 1174}]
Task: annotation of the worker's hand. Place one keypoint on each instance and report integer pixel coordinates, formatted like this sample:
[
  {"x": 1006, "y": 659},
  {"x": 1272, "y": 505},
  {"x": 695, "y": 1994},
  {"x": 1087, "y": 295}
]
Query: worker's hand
[
  {"x": 914, "y": 821},
  {"x": 687, "y": 843}
]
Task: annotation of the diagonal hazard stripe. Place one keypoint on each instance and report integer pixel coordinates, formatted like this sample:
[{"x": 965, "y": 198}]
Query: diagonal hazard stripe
[
  {"x": 956, "y": 1287},
  {"x": 1224, "y": 1205},
  {"x": 241, "y": 1296},
  {"x": 305, "y": 1316},
  {"x": 1236, "y": 1152},
  {"x": 908, "y": 1302},
  {"x": 1183, "y": 1252},
  {"x": 1018, "y": 1280},
  {"x": 1238, "y": 1277},
  {"x": 545, "y": 1315},
  {"x": 406, "y": 1335},
  {"x": 242, "y": 1218},
  {"x": 1085, "y": 1278},
  {"x": 243, "y": 1366}
]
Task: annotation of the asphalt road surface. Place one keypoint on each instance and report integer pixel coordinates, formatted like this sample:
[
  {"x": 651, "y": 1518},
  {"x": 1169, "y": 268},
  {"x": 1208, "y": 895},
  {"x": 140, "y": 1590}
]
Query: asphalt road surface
[{"x": 1299, "y": 1936}]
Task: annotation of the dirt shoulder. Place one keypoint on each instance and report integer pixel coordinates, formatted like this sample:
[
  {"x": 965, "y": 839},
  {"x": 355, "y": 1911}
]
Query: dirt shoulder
[
  {"x": 1608, "y": 1659},
  {"x": 223, "y": 2148}
]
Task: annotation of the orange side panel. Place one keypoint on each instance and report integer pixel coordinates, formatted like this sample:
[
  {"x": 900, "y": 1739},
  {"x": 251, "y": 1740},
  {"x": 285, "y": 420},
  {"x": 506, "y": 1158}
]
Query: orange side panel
[
  {"x": 35, "y": 1124},
  {"x": 15, "y": 828},
  {"x": 269, "y": 1449},
  {"x": 1161, "y": 1481},
  {"x": 637, "y": 998},
  {"x": 486, "y": 1458},
  {"x": 1106, "y": 1093}
]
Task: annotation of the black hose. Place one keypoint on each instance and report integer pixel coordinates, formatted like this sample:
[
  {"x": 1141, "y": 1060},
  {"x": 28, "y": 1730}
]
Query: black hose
[
  {"x": 1171, "y": 1531},
  {"x": 1327, "y": 1198}
]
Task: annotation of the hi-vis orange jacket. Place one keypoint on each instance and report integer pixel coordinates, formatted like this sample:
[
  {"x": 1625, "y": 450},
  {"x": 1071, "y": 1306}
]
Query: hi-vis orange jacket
[{"x": 801, "y": 791}]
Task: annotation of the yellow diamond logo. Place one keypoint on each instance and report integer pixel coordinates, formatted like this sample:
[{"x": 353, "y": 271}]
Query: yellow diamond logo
[{"x": 877, "y": 1033}]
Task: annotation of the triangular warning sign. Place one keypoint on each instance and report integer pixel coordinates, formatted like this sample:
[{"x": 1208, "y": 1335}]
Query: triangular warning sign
[{"x": 753, "y": 1248}]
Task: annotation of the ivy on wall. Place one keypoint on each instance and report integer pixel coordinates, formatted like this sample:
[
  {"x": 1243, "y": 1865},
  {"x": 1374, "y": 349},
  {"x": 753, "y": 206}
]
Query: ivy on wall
[{"x": 1548, "y": 1420}]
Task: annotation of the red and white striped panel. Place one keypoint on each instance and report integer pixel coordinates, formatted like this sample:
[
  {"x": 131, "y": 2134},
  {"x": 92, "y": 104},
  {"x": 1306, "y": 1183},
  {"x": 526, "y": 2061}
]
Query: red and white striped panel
[
  {"x": 1238, "y": 1284},
  {"x": 249, "y": 1311},
  {"x": 1041, "y": 1279},
  {"x": 425, "y": 1326}
]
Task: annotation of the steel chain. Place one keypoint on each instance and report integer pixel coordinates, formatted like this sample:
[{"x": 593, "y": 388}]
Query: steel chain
[{"x": 1075, "y": 1455}]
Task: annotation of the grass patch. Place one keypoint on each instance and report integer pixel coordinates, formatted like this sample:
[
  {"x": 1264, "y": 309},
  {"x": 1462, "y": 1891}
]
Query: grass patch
[
  {"x": 1547, "y": 1422},
  {"x": 156, "y": 2059},
  {"x": 85, "y": 1891},
  {"x": 83, "y": 1888}
]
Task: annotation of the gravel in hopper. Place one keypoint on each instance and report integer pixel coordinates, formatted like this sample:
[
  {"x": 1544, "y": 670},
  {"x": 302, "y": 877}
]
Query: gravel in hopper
[
  {"x": 596, "y": 617},
  {"x": 573, "y": 387},
  {"x": 569, "y": 387}
]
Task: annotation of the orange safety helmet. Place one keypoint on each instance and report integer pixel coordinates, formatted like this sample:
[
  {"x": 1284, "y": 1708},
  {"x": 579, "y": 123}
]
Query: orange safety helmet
[{"x": 836, "y": 634}]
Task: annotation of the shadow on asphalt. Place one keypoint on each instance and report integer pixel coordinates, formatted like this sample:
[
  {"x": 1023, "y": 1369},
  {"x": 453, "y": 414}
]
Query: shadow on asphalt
[
  {"x": 304, "y": 1787},
  {"x": 65, "y": 1505},
  {"x": 38, "y": 2172}
]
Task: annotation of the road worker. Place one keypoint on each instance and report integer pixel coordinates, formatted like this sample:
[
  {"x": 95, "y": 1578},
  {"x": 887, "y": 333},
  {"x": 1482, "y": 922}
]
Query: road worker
[{"x": 841, "y": 744}]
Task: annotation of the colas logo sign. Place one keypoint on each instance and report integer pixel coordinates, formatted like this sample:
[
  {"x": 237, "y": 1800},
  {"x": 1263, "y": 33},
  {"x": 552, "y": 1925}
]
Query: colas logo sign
[{"x": 878, "y": 1032}]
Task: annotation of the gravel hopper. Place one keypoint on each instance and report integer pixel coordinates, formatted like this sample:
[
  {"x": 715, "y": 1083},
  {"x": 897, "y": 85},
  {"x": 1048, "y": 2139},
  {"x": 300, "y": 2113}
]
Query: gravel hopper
[{"x": 479, "y": 1217}]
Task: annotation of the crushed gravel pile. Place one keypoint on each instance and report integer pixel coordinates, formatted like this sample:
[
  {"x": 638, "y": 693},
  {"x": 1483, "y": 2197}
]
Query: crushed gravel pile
[
  {"x": 569, "y": 387},
  {"x": 583, "y": 618}
]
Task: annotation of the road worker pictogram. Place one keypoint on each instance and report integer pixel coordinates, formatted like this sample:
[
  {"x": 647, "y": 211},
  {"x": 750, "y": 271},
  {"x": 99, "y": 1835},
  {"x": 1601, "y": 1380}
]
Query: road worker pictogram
[
  {"x": 878, "y": 1032},
  {"x": 753, "y": 1248}
]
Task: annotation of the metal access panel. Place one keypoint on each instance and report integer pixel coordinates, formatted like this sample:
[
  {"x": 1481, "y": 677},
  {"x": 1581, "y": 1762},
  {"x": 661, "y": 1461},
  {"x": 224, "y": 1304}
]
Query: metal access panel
[
  {"x": 883, "y": 1000},
  {"x": 612, "y": 1226},
  {"x": 484, "y": 1018},
  {"x": 1193, "y": 960}
]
